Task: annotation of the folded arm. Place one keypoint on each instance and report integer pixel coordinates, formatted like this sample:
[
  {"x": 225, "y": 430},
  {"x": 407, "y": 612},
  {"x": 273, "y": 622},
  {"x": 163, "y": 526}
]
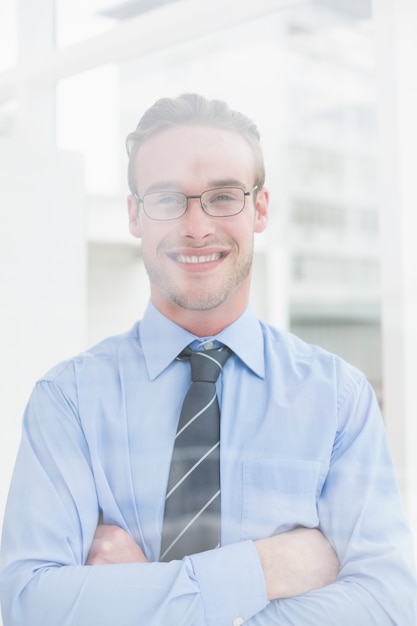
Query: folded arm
[
  {"x": 293, "y": 563},
  {"x": 48, "y": 553}
]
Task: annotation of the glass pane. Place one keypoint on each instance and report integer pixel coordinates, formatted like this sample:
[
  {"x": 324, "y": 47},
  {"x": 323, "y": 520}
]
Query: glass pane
[
  {"x": 87, "y": 122},
  {"x": 306, "y": 75},
  {"x": 77, "y": 20},
  {"x": 8, "y": 34},
  {"x": 8, "y": 109}
]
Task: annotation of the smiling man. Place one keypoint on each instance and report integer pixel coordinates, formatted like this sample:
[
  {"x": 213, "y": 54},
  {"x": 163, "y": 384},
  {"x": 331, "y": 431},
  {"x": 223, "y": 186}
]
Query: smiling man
[
  {"x": 262, "y": 493},
  {"x": 198, "y": 255}
]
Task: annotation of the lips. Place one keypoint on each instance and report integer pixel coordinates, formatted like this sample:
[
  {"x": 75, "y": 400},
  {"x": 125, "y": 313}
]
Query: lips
[{"x": 202, "y": 258}]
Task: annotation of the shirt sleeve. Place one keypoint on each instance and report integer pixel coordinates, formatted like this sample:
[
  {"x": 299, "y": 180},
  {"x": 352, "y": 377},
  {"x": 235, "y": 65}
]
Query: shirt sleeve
[
  {"x": 361, "y": 513},
  {"x": 50, "y": 520}
]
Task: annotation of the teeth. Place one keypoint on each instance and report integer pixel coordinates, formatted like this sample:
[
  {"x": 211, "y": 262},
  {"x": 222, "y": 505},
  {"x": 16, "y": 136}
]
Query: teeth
[{"x": 198, "y": 259}]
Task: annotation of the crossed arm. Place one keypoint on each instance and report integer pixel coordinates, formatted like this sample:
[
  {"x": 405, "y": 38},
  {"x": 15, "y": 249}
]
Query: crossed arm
[
  {"x": 293, "y": 563},
  {"x": 50, "y": 533}
]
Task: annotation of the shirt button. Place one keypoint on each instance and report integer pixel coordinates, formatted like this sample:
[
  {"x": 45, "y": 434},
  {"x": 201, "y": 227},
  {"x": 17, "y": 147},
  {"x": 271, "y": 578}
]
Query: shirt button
[{"x": 238, "y": 621}]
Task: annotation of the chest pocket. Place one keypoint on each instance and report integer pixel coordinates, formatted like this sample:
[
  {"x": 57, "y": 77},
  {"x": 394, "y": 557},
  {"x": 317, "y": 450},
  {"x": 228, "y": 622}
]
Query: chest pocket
[{"x": 279, "y": 495}]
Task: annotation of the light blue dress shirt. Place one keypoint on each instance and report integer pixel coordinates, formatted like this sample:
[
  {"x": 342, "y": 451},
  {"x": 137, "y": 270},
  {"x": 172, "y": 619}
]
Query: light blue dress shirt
[{"x": 302, "y": 444}]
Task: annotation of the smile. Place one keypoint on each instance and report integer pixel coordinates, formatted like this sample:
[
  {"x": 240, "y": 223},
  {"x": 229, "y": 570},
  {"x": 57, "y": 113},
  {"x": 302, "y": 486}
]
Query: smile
[{"x": 182, "y": 258}]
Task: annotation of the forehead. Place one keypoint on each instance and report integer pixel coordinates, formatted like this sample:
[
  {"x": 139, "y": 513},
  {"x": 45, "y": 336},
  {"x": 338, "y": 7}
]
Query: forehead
[{"x": 194, "y": 154}]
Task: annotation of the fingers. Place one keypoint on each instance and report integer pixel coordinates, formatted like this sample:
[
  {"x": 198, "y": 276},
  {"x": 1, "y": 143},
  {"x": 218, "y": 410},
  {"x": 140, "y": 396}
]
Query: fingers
[{"x": 111, "y": 545}]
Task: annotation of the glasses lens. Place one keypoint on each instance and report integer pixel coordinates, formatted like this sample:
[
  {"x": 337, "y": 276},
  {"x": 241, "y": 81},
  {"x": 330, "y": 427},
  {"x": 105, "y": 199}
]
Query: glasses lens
[
  {"x": 164, "y": 205},
  {"x": 224, "y": 201}
]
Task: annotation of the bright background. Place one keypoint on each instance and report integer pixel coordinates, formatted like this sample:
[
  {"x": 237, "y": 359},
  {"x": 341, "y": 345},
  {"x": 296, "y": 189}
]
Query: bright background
[{"x": 333, "y": 87}]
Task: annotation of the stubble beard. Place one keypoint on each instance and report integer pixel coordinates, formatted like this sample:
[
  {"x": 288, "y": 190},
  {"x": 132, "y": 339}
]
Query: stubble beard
[{"x": 206, "y": 293}]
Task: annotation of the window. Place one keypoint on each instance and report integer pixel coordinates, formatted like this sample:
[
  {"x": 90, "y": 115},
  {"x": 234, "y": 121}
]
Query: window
[{"x": 8, "y": 34}]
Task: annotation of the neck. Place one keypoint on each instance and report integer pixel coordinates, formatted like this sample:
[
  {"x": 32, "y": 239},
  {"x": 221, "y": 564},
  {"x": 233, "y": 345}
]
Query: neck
[{"x": 201, "y": 323}]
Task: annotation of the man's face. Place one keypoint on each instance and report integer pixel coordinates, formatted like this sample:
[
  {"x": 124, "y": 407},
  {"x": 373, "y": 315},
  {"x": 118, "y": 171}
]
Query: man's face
[{"x": 197, "y": 262}]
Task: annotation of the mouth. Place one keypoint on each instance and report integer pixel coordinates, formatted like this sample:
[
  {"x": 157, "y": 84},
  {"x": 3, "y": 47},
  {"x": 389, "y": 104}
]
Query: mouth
[{"x": 200, "y": 258}]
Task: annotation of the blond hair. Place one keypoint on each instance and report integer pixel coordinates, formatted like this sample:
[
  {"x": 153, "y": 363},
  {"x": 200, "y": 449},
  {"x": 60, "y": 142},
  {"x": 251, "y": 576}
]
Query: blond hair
[{"x": 190, "y": 108}]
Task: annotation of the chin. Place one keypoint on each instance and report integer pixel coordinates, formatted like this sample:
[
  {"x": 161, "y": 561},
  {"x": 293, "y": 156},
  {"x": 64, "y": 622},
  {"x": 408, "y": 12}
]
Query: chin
[
  {"x": 198, "y": 305},
  {"x": 200, "y": 302}
]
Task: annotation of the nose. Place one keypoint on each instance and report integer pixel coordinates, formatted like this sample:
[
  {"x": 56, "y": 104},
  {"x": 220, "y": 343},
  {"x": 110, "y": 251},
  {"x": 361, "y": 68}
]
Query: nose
[{"x": 195, "y": 223}]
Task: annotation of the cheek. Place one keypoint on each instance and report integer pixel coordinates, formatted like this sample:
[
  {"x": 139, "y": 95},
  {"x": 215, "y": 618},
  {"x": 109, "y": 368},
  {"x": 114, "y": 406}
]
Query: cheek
[
  {"x": 153, "y": 237},
  {"x": 247, "y": 229},
  {"x": 148, "y": 244}
]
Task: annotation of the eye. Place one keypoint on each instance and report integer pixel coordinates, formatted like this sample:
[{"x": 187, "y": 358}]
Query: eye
[
  {"x": 224, "y": 195},
  {"x": 167, "y": 199}
]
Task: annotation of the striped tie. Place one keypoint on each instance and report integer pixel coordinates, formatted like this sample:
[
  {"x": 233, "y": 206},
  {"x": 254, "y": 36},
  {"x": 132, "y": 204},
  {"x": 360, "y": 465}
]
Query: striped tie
[{"x": 192, "y": 506}]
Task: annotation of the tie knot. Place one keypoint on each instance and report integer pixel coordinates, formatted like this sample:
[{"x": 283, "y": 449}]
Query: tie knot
[{"x": 206, "y": 365}]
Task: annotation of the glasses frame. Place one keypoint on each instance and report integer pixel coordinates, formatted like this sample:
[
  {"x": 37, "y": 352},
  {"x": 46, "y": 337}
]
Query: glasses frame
[{"x": 196, "y": 196}]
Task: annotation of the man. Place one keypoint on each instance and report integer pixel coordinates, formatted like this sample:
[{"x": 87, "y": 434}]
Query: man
[{"x": 305, "y": 470}]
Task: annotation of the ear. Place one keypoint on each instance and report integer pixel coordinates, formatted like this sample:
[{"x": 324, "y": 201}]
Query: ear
[
  {"x": 133, "y": 211},
  {"x": 261, "y": 210}
]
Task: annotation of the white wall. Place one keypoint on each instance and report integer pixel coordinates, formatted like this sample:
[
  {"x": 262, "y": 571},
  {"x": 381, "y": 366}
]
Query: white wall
[
  {"x": 42, "y": 277},
  {"x": 396, "y": 46},
  {"x": 118, "y": 288}
]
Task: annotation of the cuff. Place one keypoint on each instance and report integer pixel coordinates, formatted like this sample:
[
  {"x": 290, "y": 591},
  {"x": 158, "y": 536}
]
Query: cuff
[{"x": 231, "y": 582}]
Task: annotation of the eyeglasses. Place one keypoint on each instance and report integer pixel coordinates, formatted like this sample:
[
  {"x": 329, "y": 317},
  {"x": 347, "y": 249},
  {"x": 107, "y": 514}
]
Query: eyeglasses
[{"x": 218, "y": 202}]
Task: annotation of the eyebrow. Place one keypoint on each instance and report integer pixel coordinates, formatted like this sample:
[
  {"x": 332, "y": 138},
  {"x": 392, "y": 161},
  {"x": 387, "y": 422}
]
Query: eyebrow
[
  {"x": 225, "y": 182},
  {"x": 173, "y": 185},
  {"x": 162, "y": 185}
]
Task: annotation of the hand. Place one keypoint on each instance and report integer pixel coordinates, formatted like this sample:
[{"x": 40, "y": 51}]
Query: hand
[
  {"x": 297, "y": 562},
  {"x": 112, "y": 544}
]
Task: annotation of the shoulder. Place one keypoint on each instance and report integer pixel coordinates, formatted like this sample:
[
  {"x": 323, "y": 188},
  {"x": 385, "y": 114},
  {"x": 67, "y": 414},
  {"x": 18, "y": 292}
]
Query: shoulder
[
  {"x": 285, "y": 342},
  {"x": 303, "y": 361},
  {"x": 105, "y": 354}
]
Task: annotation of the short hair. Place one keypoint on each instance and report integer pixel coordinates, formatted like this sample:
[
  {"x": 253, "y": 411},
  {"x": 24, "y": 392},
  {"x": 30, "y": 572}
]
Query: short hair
[{"x": 191, "y": 108}]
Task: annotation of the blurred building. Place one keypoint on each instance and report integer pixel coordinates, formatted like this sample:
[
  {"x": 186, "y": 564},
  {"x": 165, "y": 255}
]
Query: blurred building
[{"x": 330, "y": 85}]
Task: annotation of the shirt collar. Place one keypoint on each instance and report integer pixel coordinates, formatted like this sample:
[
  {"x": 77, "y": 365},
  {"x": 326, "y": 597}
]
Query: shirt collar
[{"x": 162, "y": 340}]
